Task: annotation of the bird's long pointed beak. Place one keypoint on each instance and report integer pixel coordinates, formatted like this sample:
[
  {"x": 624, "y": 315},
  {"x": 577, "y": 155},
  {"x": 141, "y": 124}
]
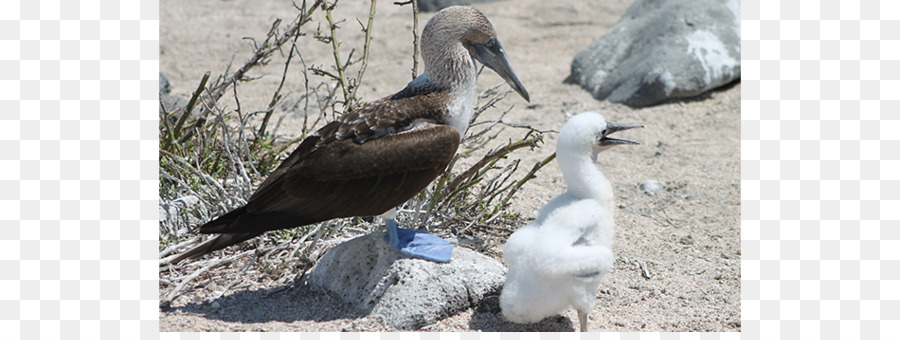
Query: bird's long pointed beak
[
  {"x": 605, "y": 140},
  {"x": 492, "y": 55}
]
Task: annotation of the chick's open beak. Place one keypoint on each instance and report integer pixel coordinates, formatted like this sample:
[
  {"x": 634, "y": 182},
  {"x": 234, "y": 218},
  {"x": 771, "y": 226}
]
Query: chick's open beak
[{"x": 605, "y": 140}]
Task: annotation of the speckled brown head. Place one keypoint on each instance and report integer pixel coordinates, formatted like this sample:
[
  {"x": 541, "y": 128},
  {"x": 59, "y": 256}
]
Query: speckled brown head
[{"x": 454, "y": 38}]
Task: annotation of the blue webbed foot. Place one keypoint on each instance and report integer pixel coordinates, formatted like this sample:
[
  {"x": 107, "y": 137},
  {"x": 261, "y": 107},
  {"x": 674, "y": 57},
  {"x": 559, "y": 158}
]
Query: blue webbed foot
[{"x": 417, "y": 243}]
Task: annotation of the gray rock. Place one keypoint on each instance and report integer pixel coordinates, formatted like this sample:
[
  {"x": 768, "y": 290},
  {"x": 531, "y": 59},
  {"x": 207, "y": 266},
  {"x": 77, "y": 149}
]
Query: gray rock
[
  {"x": 407, "y": 293},
  {"x": 164, "y": 86},
  {"x": 186, "y": 202},
  {"x": 651, "y": 187},
  {"x": 661, "y": 50},
  {"x": 163, "y": 214},
  {"x": 178, "y": 215},
  {"x": 170, "y": 103},
  {"x": 437, "y": 5}
]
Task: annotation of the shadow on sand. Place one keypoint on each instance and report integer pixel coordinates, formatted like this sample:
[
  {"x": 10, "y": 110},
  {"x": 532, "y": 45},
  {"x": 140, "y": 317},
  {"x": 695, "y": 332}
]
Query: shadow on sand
[
  {"x": 289, "y": 303},
  {"x": 299, "y": 302}
]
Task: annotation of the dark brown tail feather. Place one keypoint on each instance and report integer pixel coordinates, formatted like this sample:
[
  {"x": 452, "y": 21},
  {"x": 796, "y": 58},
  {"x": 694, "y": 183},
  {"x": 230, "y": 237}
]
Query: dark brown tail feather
[
  {"x": 221, "y": 224},
  {"x": 216, "y": 243}
]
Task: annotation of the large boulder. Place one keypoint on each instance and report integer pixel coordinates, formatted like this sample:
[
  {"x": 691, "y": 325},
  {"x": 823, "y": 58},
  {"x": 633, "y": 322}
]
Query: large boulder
[
  {"x": 661, "y": 50},
  {"x": 437, "y": 5},
  {"x": 407, "y": 293}
]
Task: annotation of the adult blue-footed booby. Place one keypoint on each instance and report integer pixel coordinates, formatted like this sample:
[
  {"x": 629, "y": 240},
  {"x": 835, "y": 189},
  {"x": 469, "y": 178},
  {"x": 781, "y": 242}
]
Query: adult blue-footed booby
[
  {"x": 383, "y": 153},
  {"x": 557, "y": 260}
]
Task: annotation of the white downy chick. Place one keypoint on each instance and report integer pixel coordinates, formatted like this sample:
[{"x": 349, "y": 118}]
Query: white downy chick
[{"x": 558, "y": 260}]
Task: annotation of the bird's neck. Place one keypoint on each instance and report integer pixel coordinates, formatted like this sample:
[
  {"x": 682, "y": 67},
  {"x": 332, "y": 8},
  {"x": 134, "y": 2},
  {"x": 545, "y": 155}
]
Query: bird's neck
[
  {"x": 583, "y": 179},
  {"x": 455, "y": 71},
  {"x": 450, "y": 66}
]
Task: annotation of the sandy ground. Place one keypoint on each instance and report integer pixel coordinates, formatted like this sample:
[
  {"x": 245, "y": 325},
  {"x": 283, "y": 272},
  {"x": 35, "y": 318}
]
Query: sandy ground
[{"x": 687, "y": 236}]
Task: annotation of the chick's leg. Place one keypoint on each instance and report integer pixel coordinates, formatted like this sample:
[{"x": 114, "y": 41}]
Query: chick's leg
[{"x": 582, "y": 319}]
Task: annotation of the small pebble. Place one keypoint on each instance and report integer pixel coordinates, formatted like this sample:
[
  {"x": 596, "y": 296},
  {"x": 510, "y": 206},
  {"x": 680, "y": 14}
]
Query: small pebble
[
  {"x": 163, "y": 214},
  {"x": 650, "y": 187},
  {"x": 186, "y": 201}
]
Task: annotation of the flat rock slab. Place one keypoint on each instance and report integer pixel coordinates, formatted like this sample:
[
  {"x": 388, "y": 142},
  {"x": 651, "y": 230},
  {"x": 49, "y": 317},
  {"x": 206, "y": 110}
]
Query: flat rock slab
[
  {"x": 661, "y": 50},
  {"x": 408, "y": 293}
]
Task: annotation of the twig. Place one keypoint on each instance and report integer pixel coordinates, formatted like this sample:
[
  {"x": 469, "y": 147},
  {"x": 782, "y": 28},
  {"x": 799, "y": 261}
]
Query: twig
[
  {"x": 335, "y": 49},
  {"x": 666, "y": 216},
  {"x": 171, "y": 249},
  {"x": 365, "y": 57},
  {"x": 190, "y": 168},
  {"x": 490, "y": 157},
  {"x": 493, "y": 123},
  {"x": 415, "y": 31},
  {"x": 415, "y": 10},
  {"x": 476, "y": 112},
  {"x": 485, "y": 227},
  {"x": 239, "y": 277},
  {"x": 244, "y": 145},
  {"x": 265, "y": 50},
  {"x": 277, "y": 95},
  {"x": 644, "y": 272},
  {"x": 187, "y": 111},
  {"x": 531, "y": 174},
  {"x": 236, "y": 164},
  {"x": 175, "y": 292}
]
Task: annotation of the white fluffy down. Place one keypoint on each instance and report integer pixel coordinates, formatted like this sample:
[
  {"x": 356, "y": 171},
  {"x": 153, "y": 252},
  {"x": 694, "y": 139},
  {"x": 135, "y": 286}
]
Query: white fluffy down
[{"x": 545, "y": 267}]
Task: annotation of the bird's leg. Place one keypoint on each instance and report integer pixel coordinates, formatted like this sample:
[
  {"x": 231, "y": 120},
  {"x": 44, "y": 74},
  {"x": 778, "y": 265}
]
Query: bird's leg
[
  {"x": 582, "y": 319},
  {"x": 415, "y": 243},
  {"x": 390, "y": 224}
]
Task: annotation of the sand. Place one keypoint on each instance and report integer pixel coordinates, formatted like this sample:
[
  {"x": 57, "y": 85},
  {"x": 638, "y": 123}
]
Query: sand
[{"x": 686, "y": 237}]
